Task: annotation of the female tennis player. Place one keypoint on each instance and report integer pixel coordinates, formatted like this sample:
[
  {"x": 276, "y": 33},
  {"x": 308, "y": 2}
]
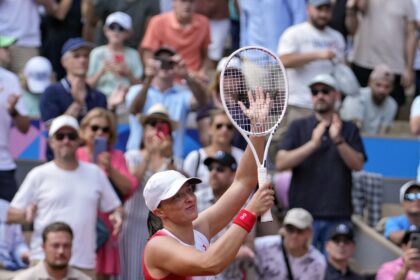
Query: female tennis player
[{"x": 181, "y": 249}]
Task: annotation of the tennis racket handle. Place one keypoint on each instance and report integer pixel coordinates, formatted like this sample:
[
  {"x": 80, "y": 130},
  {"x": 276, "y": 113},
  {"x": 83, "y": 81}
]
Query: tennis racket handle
[{"x": 262, "y": 179}]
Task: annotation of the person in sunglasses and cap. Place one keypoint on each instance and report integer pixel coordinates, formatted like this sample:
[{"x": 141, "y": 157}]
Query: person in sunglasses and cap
[
  {"x": 396, "y": 227},
  {"x": 318, "y": 144}
]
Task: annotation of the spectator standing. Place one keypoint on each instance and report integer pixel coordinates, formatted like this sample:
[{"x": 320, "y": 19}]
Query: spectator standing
[
  {"x": 185, "y": 31},
  {"x": 12, "y": 111},
  {"x": 344, "y": 17},
  {"x": 372, "y": 48},
  {"x": 373, "y": 110},
  {"x": 114, "y": 64},
  {"x": 67, "y": 190},
  {"x": 307, "y": 49},
  {"x": 57, "y": 243},
  {"x": 416, "y": 65},
  {"x": 415, "y": 123},
  {"x": 396, "y": 227},
  {"x": 155, "y": 155},
  {"x": 290, "y": 255},
  {"x": 37, "y": 76},
  {"x": 266, "y": 30},
  {"x": 406, "y": 267},
  {"x": 222, "y": 131},
  {"x": 222, "y": 168},
  {"x": 159, "y": 86},
  {"x": 100, "y": 123},
  {"x": 340, "y": 248},
  {"x": 315, "y": 146}
]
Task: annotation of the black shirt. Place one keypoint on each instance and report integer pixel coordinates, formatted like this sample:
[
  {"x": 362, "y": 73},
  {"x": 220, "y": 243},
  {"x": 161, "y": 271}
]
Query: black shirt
[{"x": 334, "y": 274}]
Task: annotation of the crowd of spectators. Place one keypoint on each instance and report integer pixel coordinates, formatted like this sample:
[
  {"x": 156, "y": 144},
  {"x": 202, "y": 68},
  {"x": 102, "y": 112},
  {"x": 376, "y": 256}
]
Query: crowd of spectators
[{"x": 82, "y": 67}]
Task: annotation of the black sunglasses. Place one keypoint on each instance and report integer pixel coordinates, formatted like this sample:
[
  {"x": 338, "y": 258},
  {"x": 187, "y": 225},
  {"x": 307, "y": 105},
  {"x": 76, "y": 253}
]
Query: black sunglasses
[
  {"x": 105, "y": 129},
  {"x": 72, "y": 136},
  {"x": 293, "y": 229},
  {"x": 218, "y": 168},
  {"x": 220, "y": 125},
  {"x": 324, "y": 91},
  {"x": 116, "y": 27},
  {"x": 412, "y": 196},
  {"x": 154, "y": 122}
]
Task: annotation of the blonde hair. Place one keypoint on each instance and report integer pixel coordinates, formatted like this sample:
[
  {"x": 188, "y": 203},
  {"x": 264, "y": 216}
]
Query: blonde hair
[{"x": 100, "y": 113}]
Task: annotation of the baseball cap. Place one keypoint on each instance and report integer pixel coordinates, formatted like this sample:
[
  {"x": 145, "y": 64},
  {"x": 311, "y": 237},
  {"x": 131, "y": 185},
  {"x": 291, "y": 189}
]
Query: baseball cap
[
  {"x": 7, "y": 41},
  {"x": 404, "y": 188},
  {"x": 317, "y": 3},
  {"x": 325, "y": 79},
  {"x": 123, "y": 19},
  {"x": 38, "y": 72},
  {"x": 299, "y": 218},
  {"x": 164, "y": 50},
  {"x": 74, "y": 44},
  {"x": 158, "y": 111},
  {"x": 342, "y": 229},
  {"x": 222, "y": 158},
  {"x": 63, "y": 121},
  {"x": 382, "y": 72},
  {"x": 164, "y": 185}
]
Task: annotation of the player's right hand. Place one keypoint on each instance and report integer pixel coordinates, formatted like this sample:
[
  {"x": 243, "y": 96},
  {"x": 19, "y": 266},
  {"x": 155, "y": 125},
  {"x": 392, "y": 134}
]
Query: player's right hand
[{"x": 262, "y": 200}]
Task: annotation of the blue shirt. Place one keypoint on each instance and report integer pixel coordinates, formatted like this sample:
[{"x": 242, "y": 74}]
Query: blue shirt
[
  {"x": 12, "y": 241},
  {"x": 177, "y": 101},
  {"x": 396, "y": 223},
  {"x": 262, "y": 22}
]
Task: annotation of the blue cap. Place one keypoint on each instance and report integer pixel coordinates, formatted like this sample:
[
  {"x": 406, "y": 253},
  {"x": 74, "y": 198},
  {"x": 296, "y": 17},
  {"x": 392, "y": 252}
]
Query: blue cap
[
  {"x": 317, "y": 3},
  {"x": 74, "y": 44}
]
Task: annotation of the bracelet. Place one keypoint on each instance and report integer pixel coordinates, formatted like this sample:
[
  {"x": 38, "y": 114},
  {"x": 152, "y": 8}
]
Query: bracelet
[{"x": 245, "y": 220}]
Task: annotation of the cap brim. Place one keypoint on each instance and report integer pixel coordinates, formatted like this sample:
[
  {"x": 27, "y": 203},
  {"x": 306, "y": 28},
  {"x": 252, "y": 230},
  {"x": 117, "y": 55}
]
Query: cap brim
[
  {"x": 177, "y": 185},
  {"x": 143, "y": 118},
  {"x": 6, "y": 41},
  {"x": 346, "y": 235},
  {"x": 296, "y": 224},
  {"x": 36, "y": 86}
]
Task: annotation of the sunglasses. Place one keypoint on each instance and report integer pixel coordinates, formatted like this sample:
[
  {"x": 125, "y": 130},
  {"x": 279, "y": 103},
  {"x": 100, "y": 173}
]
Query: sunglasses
[
  {"x": 155, "y": 122},
  {"x": 324, "y": 91},
  {"x": 291, "y": 229},
  {"x": 218, "y": 168},
  {"x": 412, "y": 196},
  {"x": 116, "y": 27},
  {"x": 220, "y": 125},
  {"x": 104, "y": 129},
  {"x": 72, "y": 136}
]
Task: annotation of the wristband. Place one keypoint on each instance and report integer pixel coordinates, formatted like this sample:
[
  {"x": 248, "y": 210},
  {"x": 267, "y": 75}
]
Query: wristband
[{"x": 245, "y": 220}]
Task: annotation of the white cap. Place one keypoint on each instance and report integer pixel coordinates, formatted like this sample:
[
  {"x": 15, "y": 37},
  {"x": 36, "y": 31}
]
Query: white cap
[
  {"x": 233, "y": 63},
  {"x": 299, "y": 218},
  {"x": 38, "y": 72},
  {"x": 404, "y": 188},
  {"x": 164, "y": 185},
  {"x": 62, "y": 121},
  {"x": 158, "y": 111},
  {"x": 121, "y": 18},
  {"x": 325, "y": 79}
]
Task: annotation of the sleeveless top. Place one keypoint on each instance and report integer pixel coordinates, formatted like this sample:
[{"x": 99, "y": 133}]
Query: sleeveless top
[{"x": 200, "y": 243}]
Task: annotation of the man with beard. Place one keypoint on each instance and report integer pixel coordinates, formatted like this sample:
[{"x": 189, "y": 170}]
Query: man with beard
[
  {"x": 57, "y": 243},
  {"x": 322, "y": 150},
  {"x": 373, "y": 110},
  {"x": 308, "y": 49},
  {"x": 396, "y": 227}
]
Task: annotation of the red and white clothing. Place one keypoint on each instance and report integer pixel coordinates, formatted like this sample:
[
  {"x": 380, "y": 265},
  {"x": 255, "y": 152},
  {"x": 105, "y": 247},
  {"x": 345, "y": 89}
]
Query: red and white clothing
[{"x": 201, "y": 243}]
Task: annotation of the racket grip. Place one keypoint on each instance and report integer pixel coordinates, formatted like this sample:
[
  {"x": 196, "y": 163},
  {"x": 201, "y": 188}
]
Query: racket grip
[{"x": 262, "y": 179}]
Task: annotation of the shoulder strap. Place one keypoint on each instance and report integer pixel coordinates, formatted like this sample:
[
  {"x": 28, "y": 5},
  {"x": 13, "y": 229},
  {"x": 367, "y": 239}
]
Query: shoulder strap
[
  {"x": 286, "y": 260},
  {"x": 198, "y": 162}
]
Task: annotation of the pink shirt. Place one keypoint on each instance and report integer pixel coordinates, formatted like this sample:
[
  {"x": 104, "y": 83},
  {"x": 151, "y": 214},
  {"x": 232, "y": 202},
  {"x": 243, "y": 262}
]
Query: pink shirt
[
  {"x": 117, "y": 162},
  {"x": 389, "y": 269}
]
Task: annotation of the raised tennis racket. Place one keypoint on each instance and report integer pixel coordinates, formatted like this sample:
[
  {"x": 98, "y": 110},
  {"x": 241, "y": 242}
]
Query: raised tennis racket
[{"x": 254, "y": 92}]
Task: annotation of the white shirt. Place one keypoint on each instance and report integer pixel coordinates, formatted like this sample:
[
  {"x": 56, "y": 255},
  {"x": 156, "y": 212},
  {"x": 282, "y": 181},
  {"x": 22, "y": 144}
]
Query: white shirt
[
  {"x": 73, "y": 197},
  {"x": 20, "y": 19},
  {"x": 305, "y": 38},
  {"x": 9, "y": 84}
]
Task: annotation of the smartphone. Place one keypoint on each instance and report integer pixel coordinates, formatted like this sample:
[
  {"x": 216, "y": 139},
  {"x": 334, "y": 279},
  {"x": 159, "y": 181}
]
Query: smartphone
[
  {"x": 415, "y": 240},
  {"x": 118, "y": 57},
  {"x": 100, "y": 145},
  {"x": 163, "y": 128}
]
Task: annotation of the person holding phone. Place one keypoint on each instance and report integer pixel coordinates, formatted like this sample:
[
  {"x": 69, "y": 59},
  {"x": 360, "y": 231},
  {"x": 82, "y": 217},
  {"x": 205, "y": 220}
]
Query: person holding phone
[
  {"x": 406, "y": 267},
  {"x": 96, "y": 127}
]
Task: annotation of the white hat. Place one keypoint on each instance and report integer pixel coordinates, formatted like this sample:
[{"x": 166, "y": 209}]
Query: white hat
[
  {"x": 164, "y": 185},
  {"x": 233, "y": 63},
  {"x": 38, "y": 72},
  {"x": 404, "y": 188},
  {"x": 325, "y": 79},
  {"x": 158, "y": 111},
  {"x": 62, "y": 121},
  {"x": 121, "y": 18},
  {"x": 299, "y": 218}
]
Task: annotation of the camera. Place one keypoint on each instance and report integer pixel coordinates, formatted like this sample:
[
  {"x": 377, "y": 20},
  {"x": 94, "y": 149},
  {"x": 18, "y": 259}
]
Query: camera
[{"x": 166, "y": 63}]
